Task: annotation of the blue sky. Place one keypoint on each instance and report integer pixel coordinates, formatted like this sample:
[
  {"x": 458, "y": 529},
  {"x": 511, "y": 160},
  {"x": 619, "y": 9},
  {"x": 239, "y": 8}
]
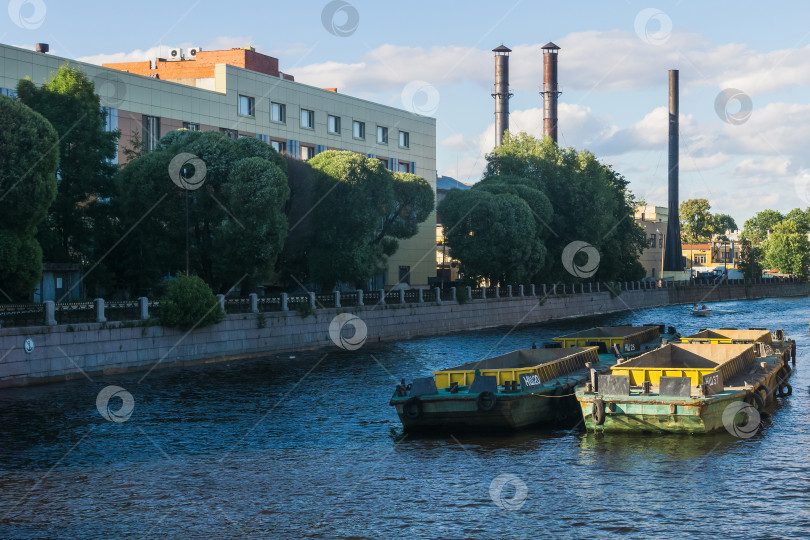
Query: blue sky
[{"x": 435, "y": 57}]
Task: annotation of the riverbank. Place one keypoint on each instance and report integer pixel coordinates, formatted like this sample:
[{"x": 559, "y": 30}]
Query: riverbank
[{"x": 42, "y": 354}]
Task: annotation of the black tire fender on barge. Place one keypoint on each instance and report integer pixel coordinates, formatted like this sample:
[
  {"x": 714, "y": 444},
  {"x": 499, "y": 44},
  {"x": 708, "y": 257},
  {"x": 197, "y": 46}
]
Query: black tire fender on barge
[
  {"x": 755, "y": 399},
  {"x": 598, "y": 412},
  {"x": 784, "y": 390},
  {"x": 485, "y": 401},
  {"x": 412, "y": 408}
]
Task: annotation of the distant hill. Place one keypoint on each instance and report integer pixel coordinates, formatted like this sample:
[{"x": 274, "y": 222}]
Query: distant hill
[{"x": 447, "y": 182}]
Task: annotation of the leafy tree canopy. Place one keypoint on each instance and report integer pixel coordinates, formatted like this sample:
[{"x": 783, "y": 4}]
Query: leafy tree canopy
[
  {"x": 69, "y": 102},
  {"x": 361, "y": 210},
  {"x": 29, "y": 154},
  {"x": 788, "y": 249},
  {"x": 580, "y": 199},
  {"x": 756, "y": 228},
  {"x": 236, "y": 220}
]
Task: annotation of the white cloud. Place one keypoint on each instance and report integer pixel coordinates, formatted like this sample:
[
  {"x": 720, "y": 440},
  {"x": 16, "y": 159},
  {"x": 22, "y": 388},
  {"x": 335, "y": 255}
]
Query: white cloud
[
  {"x": 459, "y": 142},
  {"x": 769, "y": 166}
]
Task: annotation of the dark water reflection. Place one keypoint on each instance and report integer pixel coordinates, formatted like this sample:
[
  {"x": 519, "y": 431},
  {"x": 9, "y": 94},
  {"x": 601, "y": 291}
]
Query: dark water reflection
[{"x": 270, "y": 449}]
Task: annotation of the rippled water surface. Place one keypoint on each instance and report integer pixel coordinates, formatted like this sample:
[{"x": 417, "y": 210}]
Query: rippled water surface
[{"x": 309, "y": 447}]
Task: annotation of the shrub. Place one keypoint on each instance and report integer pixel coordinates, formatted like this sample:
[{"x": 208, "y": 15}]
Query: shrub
[{"x": 189, "y": 303}]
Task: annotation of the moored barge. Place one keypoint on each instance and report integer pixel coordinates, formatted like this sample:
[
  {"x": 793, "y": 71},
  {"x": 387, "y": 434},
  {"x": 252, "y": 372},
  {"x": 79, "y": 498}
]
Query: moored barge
[
  {"x": 689, "y": 387},
  {"x": 519, "y": 389}
]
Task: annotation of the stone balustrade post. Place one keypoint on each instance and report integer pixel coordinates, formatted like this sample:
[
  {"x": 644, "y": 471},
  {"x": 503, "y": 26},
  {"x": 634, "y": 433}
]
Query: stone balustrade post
[
  {"x": 420, "y": 298},
  {"x": 221, "y": 298},
  {"x": 284, "y": 299},
  {"x": 453, "y": 294},
  {"x": 520, "y": 290},
  {"x": 254, "y": 302},
  {"x": 509, "y": 291},
  {"x": 98, "y": 308},
  {"x": 337, "y": 299},
  {"x": 312, "y": 300},
  {"x": 532, "y": 291},
  {"x": 359, "y": 297},
  {"x": 402, "y": 296},
  {"x": 483, "y": 293},
  {"x": 438, "y": 292},
  {"x": 382, "y": 297},
  {"x": 469, "y": 292},
  {"x": 50, "y": 313},
  {"x": 497, "y": 291},
  {"x": 143, "y": 308}
]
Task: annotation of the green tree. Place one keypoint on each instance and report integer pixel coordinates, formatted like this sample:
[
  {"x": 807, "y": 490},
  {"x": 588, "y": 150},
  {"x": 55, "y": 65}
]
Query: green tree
[
  {"x": 589, "y": 201},
  {"x": 414, "y": 200},
  {"x": 68, "y": 100},
  {"x": 788, "y": 249},
  {"x": 756, "y": 228},
  {"x": 359, "y": 210},
  {"x": 800, "y": 217},
  {"x": 29, "y": 154},
  {"x": 236, "y": 220},
  {"x": 696, "y": 220},
  {"x": 492, "y": 235},
  {"x": 722, "y": 224},
  {"x": 750, "y": 259}
]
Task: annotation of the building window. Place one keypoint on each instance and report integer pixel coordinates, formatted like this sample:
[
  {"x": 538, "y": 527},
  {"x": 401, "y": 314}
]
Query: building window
[
  {"x": 700, "y": 259},
  {"x": 307, "y": 152},
  {"x": 652, "y": 241},
  {"x": 191, "y": 126},
  {"x": 110, "y": 125},
  {"x": 278, "y": 112},
  {"x": 404, "y": 166},
  {"x": 404, "y": 139},
  {"x": 307, "y": 119},
  {"x": 405, "y": 275},
  {"x": 279, "y": 146},
  {"x": 359, "y": 130},
  {"x": 151, "y": 132},
  {"x": 230, "y": 133},
  {"x": 8, "y": 92},
  {"x": 661, "y": 241},
  {"x": 382, "y": 135},
  {"x": 384, "y": 161},
  {"x": 246, "y": 106},
  {"x": 333, "y": 124}
]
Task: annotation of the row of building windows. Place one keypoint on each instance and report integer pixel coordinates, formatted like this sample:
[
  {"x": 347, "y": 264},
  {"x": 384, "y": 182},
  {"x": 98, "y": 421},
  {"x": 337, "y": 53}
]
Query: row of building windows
[
  {"x": 150, "y": 126},
  {"x": 278, "y": 114}
]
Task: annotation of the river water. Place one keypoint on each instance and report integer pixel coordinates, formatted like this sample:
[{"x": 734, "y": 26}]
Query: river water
[{"x": 309, "y": 447}]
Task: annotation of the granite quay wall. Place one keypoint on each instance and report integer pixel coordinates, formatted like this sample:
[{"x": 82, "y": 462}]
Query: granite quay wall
[{"x": 57, "y": 352}]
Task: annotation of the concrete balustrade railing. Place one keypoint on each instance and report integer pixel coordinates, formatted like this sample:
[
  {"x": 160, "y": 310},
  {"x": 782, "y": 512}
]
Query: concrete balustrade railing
[{"x": 98, "y": 311}]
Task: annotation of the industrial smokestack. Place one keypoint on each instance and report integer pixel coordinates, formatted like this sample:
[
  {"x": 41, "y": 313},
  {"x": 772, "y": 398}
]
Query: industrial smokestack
[
  {"x": 501, "y": 92},
  {"x": 550, "y": 90},
  {"x": 673, "y": 252}
]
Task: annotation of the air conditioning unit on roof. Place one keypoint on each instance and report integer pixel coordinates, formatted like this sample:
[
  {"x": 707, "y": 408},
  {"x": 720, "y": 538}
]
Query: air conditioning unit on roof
[
  {"x": 192, "y": 52},
  {"x": 175, "y": 54}
]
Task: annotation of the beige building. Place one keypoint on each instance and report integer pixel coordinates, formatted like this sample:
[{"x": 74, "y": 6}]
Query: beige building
[
  {"x": 653, "y": 219},
  {"x": 241, "y": 93}
]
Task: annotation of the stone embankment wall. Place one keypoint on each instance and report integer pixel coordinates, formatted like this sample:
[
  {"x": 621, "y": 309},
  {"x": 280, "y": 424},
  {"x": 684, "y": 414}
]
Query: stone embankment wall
[{"x": 63, "y": 352}]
